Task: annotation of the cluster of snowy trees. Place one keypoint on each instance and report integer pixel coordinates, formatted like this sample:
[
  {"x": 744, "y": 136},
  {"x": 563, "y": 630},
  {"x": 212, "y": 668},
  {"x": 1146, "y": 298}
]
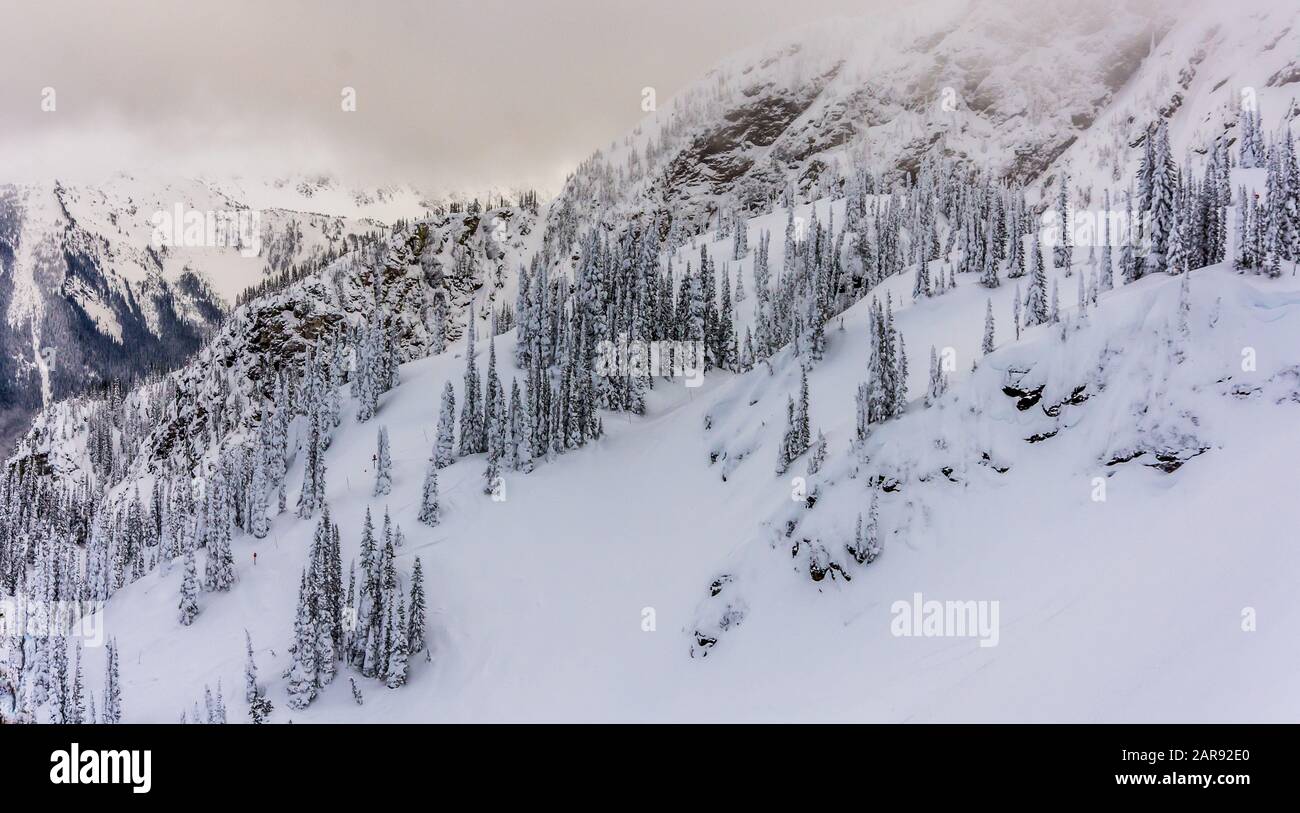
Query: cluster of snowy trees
[
  {"x": 68, "y": 541},
  {"x": 374, "y": 627},
  {"x": 798, "y": 434},
  {"x": 883, "y": 395},
  {"x": 867, "y": 545},
  {"x": 43, "y": 679},
  {"x": 1267, "y": 230},
  {"x": 213, "y": 711},
  {"x": 621, "y": 290},
  {"x": 551, "y": 416}
]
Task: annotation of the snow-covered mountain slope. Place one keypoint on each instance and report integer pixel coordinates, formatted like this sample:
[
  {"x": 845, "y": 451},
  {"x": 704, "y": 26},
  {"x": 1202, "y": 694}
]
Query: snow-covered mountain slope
[
  {"x": 1127, "y": 608},
  {"x": 89, "y": 295},
  {"x": 91, "y": 292},
  {"x": 1009, "y": 86},
  {"x": 1102, "y": 494},
  {"x": 461, "y": 259},
  {"x": 1021, "y": 89},
  {"x": 1199, "y": 75},
  {"x": 324, "y": 194}
]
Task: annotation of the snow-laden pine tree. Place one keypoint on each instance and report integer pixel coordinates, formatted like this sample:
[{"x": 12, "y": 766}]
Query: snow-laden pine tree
[
  {"x": 219, "y": 566},
  {"x": 323, "y": 629},
  {"x": 900, "y": 378},
  {"x": 1178, "y": 250},
  {"x": 250, "y": 670},
  {"x": 1063, "y": 251},
  {"x": 368, "y": 602},
  {"x": 302, "y": 668},
  {"x": 259, "y": 524},
  {"x": 987, "y": 345},
  {"x": 1249, "y": 143},
  {"x": 726, "y": 329},
  {"x": 57, "y": 645},
  {"x": 1036, "y": 307},
  {"x": 866, "y": 538},
  {"x": 785, "y": 452},
  {"x": 1130, "y": 265},
  {"x": 524, "y": 439},
  {"x": 490, "y": 413},
  {"x": 803, "y": 433},
  {"x": 312, "y": 493},
  {"x": 818, "y": 455},
  {"x": 1184, "y": 335},
  {"x": 444, "y": 453},
  {"x": 438, "y": 325},
  {"x": 938, "y": 379},
  {"x": 1107, "y": 270},
  {"x": 383, "y": 464},
  {"x": 921, "y": 282},
  {"x": 471, "y": 416},
  {"x": 364, "y": 385},
  {"x": 989, "y": 269},
  {"x": 112, "y": 687},
  {"x": 77, "y": 702},
  {"x": 189, "y": 605},
  {"x": 415, "y": 624},
  {"x": 219, "y": 707},
  {"x": 429, "y": 509},
  {"x": 397, "y": 657},
  {"x": 1160, "y": 203},
  {"x": 513, "y": 428}
]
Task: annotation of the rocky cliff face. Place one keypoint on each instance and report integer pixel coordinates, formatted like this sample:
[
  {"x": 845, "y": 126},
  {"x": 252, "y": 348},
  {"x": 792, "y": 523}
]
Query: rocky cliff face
[
  {"x": 1009, "y": 86},
  {"x": 88, "y": 294},
  {"x": 456, "y": 258}
]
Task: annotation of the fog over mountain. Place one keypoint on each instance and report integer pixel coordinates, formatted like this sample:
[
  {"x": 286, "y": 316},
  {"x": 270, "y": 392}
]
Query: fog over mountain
[{"x": 444, "y": 89}]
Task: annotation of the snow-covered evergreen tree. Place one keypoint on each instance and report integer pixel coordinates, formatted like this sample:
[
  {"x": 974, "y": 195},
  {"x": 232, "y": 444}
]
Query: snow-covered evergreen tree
[
  {"x": 866, "y": 546},
  {"x": 429, "y": 508},
  {"x": 312, "y": 494},
  {"x": 1160, "y": 202},
  {"x": 1107, "y": 271},
  {"x": 1063, "y": 251},
  {"x": 250, "y": 670},
  {"x": 189, "y": 605},
  {"x": 444, "y": 453},
  {"x": 415, "y": 624},
  {"x": 1036, "y": 305},
  {"x": 112, "y": 687},
  {"x": 302, "y": 668},
  {"x": 383, "y": 464},
  {"x": 471, "y": 416},
  {"x": 397, "y": 657},
  {"x": 987, "y": 345}
]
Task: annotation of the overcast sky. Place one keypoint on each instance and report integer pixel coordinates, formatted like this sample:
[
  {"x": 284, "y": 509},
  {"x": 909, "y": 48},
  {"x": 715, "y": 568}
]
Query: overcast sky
[{"x": 449, "y": 94}]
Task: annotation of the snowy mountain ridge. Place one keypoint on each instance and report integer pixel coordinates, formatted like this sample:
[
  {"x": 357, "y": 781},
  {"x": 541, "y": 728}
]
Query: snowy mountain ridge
[{"x": 597, "y": 548}]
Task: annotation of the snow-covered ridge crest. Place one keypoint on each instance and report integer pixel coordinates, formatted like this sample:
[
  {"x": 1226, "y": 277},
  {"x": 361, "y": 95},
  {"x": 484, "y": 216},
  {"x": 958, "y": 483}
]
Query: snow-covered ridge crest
[
  {"x": 428, "y": 270},
  {"x": 1007, "y": 87}
]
